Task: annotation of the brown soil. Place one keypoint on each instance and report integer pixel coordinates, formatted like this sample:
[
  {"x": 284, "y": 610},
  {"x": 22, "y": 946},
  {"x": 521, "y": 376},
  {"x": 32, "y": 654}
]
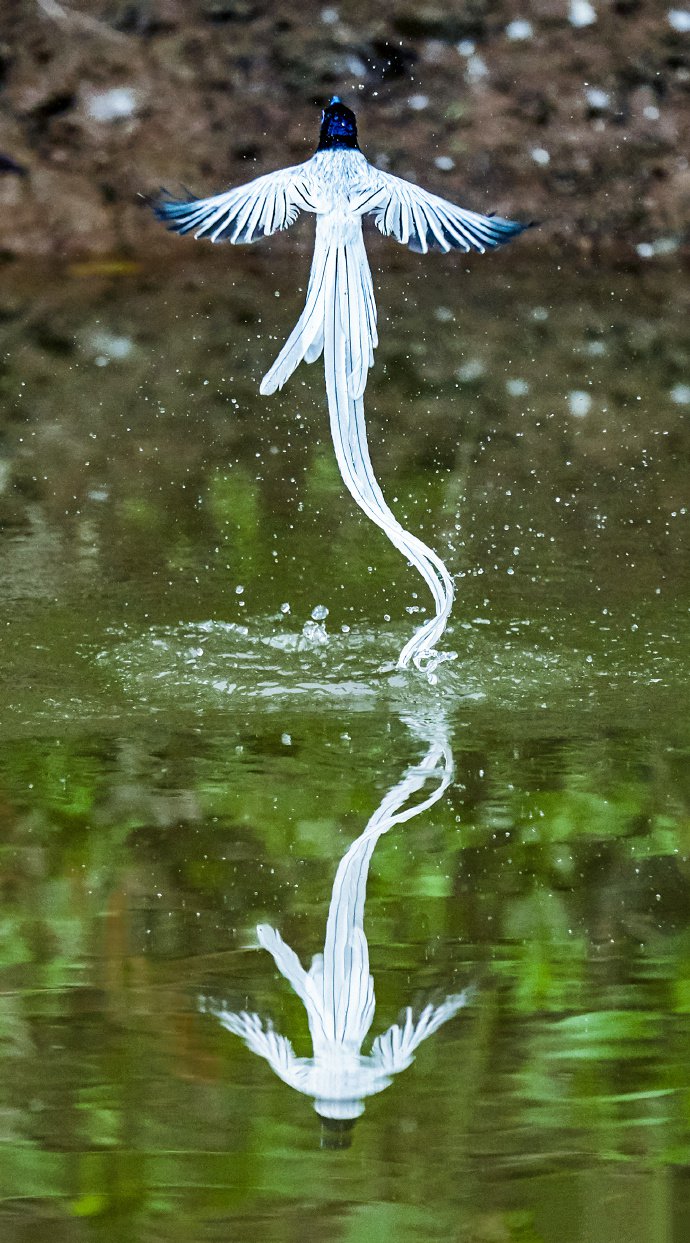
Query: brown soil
[{"x": 584, "y": 128}]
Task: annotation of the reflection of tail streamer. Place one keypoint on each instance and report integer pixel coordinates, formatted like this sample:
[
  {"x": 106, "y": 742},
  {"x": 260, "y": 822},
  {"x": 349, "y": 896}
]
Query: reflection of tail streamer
[
  {"x": 345, "y": 949},
  {"x": 338, "y": 990}
]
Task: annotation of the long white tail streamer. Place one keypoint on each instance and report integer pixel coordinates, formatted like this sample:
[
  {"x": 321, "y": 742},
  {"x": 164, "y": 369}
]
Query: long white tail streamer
[{"x": 339, "y": 317}]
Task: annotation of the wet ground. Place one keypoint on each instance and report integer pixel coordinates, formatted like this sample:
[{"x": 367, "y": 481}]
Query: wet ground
[
  {"x": 565, "y": 111},
  {"x": 187, "y": 754}
]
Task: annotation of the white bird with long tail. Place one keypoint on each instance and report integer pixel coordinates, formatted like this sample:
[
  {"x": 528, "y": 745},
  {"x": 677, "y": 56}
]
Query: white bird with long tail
[{"x": 340, "y": 187}]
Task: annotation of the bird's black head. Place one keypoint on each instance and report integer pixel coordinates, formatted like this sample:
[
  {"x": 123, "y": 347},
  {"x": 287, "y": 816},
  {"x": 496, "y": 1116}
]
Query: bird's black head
[{"x": 338, "y": 127}]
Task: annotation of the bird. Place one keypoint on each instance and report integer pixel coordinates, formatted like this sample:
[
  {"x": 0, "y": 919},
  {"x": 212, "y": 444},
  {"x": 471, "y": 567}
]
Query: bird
[
  {"x": 337, "y": 991},
  {"x": 340, "y": 187}
]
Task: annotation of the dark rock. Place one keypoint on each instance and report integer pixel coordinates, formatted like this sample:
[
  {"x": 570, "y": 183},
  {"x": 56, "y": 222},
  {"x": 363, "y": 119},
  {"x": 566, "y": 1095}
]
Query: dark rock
[
  {"x": 8, "y": 165},
  {"x": 534, "y": 106},
  {"x": 431, "y": 22},
  {"x": 388, "y": 61},
  {"x": 226, "y": 89},
  {"x": 220, "y": 11}
]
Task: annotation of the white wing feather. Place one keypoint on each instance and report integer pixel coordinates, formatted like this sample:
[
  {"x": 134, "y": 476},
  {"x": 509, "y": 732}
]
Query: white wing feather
[
  {"x": 394, "y": 1050},
  {"x": 267, "y": 1043},
  {"x": 423, "y": 221},
  {"x": 289, "y": 965},
  {"x": 245, "y": 213}
]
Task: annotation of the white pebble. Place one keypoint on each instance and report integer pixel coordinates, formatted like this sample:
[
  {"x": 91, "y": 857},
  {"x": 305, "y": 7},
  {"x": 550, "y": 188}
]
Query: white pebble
[
  {"x": 581, "y": 13},
  {"x": 356, "y": 66},
  {"x": 517, "y": 388},
  {"x": 660, "y": 246},
  {"x": 471, "y": 370},
  {"x": 519, "y": 30},
  {"x": 116, "y": 104},
  {"x": 580, "y": 403},
  {"x": 111, "y": 345},
  {"x": 597, "y": 99},
  {"x": 476, "y": 69}
]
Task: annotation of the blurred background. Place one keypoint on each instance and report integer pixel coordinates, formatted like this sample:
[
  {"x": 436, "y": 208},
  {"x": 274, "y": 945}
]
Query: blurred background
[
  {"x": 199, "y": 709},
  {"x": 574, "y": 112}
]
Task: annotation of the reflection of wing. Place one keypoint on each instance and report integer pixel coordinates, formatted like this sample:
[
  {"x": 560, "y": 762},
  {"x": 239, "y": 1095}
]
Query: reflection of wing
[
  {"x": 289, "y": 965},
  {"x": 394, "y": 1050},
  {"x": 423, "y": 221},
  {"x": 267, "y": 1043},
  {"x": 245, "y": 213}
]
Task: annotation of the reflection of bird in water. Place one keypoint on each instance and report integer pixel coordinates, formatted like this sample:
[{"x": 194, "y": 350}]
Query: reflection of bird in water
[
  {"x": 338, "y": 990},
  {"x": 339, "y": 318}
]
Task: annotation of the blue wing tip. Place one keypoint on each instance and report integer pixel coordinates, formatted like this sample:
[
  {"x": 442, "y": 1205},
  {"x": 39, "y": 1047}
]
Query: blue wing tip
[
  {"x": 506, "y": 230},
  {"x": 168, "y": 209}
]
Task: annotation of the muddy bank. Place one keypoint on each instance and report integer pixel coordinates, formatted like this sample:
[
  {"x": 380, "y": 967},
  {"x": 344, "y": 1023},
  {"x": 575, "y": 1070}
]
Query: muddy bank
[{"x": 571, "y": 112}]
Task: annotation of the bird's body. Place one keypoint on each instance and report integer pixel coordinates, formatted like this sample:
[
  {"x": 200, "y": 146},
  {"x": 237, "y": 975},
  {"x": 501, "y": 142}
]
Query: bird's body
[
  {"x": 335, "y": 181},
  {"x": 340, "y": 187}
]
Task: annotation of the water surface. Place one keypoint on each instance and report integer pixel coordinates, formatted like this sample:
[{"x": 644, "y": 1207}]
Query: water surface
[{"x": 185, "y": 754}]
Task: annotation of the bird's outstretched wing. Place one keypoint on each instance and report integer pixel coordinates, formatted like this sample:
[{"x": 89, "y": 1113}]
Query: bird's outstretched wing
[
  {"x": 243, "y": 214},
  {"x": 423, "y": 221}
]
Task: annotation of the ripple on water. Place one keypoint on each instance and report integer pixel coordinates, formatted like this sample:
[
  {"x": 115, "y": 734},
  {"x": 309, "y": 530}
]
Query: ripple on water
[{"x": 206, "y": 664}]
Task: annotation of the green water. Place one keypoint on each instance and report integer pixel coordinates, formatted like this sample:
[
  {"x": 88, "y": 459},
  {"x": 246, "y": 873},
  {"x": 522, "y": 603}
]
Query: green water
[{"x": 183, "y": 756}]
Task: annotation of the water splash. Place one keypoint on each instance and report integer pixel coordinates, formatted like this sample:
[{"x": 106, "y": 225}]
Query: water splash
[{"x": 271, "y": 662}]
